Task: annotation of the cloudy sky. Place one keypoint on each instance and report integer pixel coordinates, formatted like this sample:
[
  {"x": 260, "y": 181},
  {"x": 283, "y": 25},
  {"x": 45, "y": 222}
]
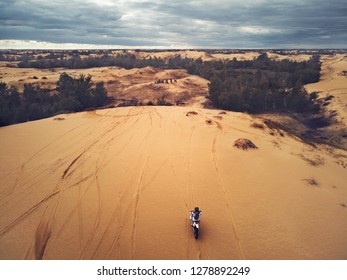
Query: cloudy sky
[{"x": 173, "y": 24}]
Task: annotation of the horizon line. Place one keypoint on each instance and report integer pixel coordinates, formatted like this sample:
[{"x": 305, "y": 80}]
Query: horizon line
[{"x": 8, "y": 44}]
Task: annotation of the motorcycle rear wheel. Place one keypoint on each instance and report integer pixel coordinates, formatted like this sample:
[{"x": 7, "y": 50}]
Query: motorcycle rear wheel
[{"x": 196, "y": 233}]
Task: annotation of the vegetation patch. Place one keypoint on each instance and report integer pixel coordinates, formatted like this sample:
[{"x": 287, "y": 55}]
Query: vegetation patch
[
  {"x": 258, "y": 125},
  {"x": 342, "y": 163},
  {"x": 262, "y": 85},
  {"x": 317, "y": 160},
  {"x": 70, "y": 95},
  {"x": 191, "y": 113},
  {"x": 253, "y": 86},
  {"x": 244, "y": 144},
  {"x": 317, "y": 121},
  {"x": 311, "y": 182},
  {"x": 275, "y": 126},
  {"x": 218, "y": 117}
]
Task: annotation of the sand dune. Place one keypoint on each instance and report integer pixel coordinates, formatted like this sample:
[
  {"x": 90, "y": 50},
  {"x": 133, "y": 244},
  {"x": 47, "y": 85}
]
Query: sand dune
[
  {"x": 333, "y": 85},
  {"x": 170, "y": 54},
  {"x": 205, "y": 56},
  {"x": 118, "y": 184},
  {"x": 133, "y": 84},
  {"x": 334, "y": 82}
]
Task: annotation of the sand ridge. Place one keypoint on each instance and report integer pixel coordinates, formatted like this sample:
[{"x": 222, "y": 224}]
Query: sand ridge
[
  {"x": 333, "y": 82},
  {"x": 333, "y": 87}
]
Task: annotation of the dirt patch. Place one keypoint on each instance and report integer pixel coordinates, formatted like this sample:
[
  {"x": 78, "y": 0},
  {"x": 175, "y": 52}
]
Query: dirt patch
[
  {"x": 258, "y": 125},
  {"x": 316, "y": 160},
  {"x": 191, "y": 113},
  {"x": 218, "y": 117},
  {"x": 244, "y": 144},
  {"x": 311, "y": 182},
  {"x": 342, "y": 163},
  {"x": 277, "y": 128}
]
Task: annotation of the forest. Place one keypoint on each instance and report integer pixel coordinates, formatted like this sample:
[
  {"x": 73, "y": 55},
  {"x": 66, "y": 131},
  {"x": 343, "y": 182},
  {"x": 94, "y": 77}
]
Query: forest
[
  {"x": 253, "y": 86},
  {"x": 263, "y": 85},
  {"x": 71, "y": 95}
]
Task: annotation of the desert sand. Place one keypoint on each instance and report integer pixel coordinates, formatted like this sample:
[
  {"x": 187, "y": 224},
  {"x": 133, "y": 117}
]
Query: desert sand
[{"x": 119, "y": 183}]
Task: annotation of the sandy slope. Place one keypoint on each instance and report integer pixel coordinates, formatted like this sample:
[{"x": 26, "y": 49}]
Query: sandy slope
[
  {"x": 118, "y": 184},
  {"x": 334, "y": 82}
]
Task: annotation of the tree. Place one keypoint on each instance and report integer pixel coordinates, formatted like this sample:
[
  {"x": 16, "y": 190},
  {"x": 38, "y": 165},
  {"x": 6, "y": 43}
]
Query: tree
[
  {"x": 101, "y": 97},
  {"x": 65, "y": 85},
  {"x": 80, "y": 93}
]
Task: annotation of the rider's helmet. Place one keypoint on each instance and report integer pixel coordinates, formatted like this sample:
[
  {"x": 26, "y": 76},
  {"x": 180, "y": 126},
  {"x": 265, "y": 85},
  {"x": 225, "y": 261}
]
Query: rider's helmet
[{"x": 197, "y": 209}]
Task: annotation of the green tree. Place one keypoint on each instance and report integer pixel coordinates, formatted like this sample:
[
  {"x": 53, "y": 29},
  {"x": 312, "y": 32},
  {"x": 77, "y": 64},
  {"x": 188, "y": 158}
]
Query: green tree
[{"x": 101, "y": 97}]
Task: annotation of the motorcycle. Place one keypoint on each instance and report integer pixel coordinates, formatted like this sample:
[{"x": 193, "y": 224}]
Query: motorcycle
[
  {"x": 196, "y": 226},
  {"x": 195, "y": 223}
]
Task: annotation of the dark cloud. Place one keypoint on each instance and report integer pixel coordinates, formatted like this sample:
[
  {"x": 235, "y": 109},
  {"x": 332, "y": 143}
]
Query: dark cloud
[{"x": 200, "y": 23}]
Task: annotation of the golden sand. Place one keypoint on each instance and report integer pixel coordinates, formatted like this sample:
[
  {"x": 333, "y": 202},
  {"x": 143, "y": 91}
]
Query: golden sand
[{"x": 119, "y": 183}]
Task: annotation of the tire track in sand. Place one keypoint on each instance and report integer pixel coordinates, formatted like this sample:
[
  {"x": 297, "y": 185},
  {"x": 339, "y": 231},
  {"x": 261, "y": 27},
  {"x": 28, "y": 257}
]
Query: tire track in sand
[
  {"x": 137, "y": 199},
  {"x": 48, "y": 220},
  {"x": 134, "y": 204},
  {"x": 169, "y": 148},
  {"x": 24, "y": 182},
  {"x": 105, "y": 142},
  {"x": 222, "y": 186},
  {"x": 115, "y": 215},
  {"x": 26, "y": 214},
  {"x": 98, "y": 168},
  {"x": 44, "y": 229},
  {"x": 190, "y": 186},
  {"x": 139, "y": 187}
]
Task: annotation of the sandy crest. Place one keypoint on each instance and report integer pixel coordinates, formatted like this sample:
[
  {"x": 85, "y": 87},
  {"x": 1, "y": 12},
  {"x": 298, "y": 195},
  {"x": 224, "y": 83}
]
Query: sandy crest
[
  {"x": 205, "y": 56},
  {"x": 238, "y": 56},
  {"x": 118, "y": 184},
  {"x": 333, "y": 82}
]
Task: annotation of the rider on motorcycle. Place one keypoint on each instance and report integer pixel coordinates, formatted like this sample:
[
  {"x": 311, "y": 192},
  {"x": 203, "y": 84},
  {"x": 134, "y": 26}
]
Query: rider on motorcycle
[{"x": 195, "y": 215}]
